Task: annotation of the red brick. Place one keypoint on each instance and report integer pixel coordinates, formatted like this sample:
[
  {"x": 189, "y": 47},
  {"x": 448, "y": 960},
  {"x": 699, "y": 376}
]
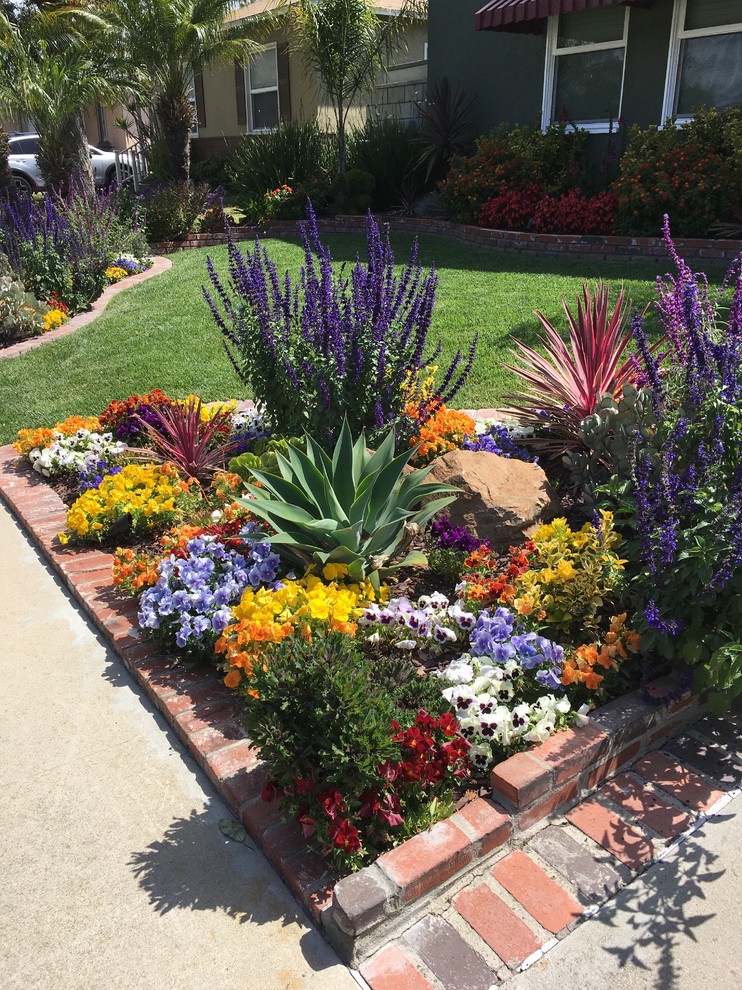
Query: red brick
[
  {"x": 500, "y": 927},
  {"x": 188, "y": 696},
  {"x": 548, "y": 805},
  {"x": 569, "y": 752},
  {"x": 243, "y": 787},
  {"x": 304, "y": 872},
  {"x": 491, "y": 826},
  {"x": 228, "y": 762},
  {"x": 205, "y": 716},
  {"x": 426, "y": 860},
  {"x": 661, "y": 816},
  {"x": 259, "y": 815},
  {"x": 594, "y": 776},
  {"x": 450, "y": 959},
  {"x": 282, "y": 841},
  {"x": 545, "y": 900},
  {"x": 391, "y": 969},
  {"x": 210, "y": 740},
  {"x": 519, "y": 779},
  {"x": 612, "y": 833},
  {"x": 684, "y": 785}
]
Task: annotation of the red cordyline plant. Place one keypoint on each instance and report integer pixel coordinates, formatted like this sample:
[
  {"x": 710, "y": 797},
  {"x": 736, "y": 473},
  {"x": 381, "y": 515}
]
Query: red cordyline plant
[
  {"x": 563, "y": 384},
  {"x": 180, "y": 436}
]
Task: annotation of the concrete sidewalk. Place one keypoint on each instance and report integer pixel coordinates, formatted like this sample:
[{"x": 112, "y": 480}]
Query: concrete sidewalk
[
  {"x": 676, "y": 927},
  {"x": 114, "y": 872}
]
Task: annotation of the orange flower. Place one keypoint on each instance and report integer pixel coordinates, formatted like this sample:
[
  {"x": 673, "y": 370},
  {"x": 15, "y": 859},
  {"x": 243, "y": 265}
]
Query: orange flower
[{"x": 233, "y": 679}]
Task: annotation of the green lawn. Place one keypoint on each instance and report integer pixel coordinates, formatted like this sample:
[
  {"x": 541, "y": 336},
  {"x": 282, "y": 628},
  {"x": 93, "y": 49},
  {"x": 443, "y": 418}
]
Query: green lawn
[{"x": 161, "y": 333}]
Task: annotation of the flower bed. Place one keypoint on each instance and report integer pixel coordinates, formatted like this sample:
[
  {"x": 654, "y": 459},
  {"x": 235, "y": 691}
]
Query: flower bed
[
  {"x": 313, "y": 550},
  {"x": 60, "y": 253}
]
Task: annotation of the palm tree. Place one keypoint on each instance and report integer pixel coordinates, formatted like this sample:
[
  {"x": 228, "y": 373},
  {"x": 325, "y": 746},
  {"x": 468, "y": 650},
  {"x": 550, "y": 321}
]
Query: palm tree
[
  {"x": 51, "y": 76},
  {"x": 169, "y": 41},
  {"x": 345, "y": 43}
]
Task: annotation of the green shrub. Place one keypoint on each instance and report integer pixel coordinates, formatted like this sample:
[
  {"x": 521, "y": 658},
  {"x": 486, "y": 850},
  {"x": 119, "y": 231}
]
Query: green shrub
[
  {"x": 213, "y": 171},
  {"x": 510, "y": 159},
  {"x": 172, "y": 211},
  {"x": 352, "y": 192},
  {"x": 693, "y": 173},
  {"x": 292, "y": 154},
  {"x": 387, "y": 149},
  {"x": 341, "y": 778}
]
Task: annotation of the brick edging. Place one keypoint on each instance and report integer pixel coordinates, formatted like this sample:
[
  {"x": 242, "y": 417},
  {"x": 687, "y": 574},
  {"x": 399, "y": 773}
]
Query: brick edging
[
  {"x": 159, "y": 266},
  {"x": 358, "y": 912},
  {"x": 695, "y": 250}
]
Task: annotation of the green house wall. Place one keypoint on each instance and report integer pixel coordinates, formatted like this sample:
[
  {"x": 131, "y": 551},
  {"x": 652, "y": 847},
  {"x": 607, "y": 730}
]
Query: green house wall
[{"x": 504, "y": 72}]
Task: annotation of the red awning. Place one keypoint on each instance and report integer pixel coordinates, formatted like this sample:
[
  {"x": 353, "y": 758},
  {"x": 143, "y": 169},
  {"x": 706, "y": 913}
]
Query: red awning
[{"x": 527, "y": 15}]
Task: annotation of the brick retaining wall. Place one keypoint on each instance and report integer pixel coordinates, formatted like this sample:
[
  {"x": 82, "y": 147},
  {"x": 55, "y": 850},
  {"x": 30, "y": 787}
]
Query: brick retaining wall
[{"x": 583, "y": 247}]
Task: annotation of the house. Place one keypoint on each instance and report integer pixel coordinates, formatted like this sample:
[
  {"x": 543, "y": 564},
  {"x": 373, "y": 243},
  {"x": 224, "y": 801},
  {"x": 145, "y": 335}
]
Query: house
[
  {"x": 232, "y": 101},
  {"x": 588, "y": 61}
]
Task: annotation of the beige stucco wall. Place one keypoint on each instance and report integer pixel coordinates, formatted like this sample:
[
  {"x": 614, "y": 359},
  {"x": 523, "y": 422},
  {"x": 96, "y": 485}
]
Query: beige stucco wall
[
  {"x": 396, "y": 92},
  {"x": 118, "y": 138}
]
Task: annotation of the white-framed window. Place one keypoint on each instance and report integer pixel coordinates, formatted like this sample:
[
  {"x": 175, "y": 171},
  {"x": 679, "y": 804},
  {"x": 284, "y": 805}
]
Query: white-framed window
[
  {"x": 102, "y": 124},
  {"x": 261, "y": 85},
  {"x": 704, "y": 66},
  {"x": 584, "y": 72}
]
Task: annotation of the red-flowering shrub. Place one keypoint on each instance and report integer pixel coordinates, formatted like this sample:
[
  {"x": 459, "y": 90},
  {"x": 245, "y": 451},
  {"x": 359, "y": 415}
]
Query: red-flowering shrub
[
  {"x": 575, "y": 213},
  {"x": 512, "y": 209}
]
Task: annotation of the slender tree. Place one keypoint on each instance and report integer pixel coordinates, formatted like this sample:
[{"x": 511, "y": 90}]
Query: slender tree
[
  {"x": 346, "y": 44},
  {"x": 168, "y": 41}
]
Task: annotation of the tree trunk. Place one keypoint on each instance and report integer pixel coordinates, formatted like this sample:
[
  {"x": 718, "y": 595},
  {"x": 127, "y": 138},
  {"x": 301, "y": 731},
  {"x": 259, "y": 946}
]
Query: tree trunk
[
  {"x": 64, "y": 158},
  {"x": 6, "y": 179},
  {"x": 339, "y": 111},
  {"x": 176, "y": 118}
]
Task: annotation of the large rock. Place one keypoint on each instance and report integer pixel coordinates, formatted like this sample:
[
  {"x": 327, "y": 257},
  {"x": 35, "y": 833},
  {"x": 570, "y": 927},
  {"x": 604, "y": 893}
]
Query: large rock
[{"x": 502, "y": 499}]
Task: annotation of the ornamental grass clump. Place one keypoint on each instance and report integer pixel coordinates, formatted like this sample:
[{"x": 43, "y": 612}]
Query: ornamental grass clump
[
  {"x": 352, "y": 507},
  {"x": 337, "y": 344}
]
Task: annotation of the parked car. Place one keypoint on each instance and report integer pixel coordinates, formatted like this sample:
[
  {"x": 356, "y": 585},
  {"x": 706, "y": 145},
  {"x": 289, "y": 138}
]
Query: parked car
[{"x": 27, "y": 174}]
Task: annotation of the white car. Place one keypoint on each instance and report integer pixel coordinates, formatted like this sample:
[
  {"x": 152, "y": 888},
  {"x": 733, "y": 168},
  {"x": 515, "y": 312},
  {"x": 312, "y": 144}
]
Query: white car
[{"x": 27, "y": 175}]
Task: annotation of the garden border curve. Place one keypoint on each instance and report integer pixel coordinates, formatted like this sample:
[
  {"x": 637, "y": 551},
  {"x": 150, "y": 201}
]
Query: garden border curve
[
  {"x": 159, "y": 265},
  {"x": 362, "y": 911}
]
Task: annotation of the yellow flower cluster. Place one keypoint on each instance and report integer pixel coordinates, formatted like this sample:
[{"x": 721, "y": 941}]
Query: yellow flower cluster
[
  {"x": 209, "y": 409},
  {"x": 54, "y": 318},
  {"x": 298, "y": 607},
  {"x": 149, "y": 494},
  {"x": 114, "y": 273},
  {"x": 43, "y": 436},
  {"x": 571, "y": 574}
]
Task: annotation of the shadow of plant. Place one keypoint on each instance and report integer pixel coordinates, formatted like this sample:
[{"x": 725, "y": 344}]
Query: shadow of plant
[{"x": 662, "y": 909}]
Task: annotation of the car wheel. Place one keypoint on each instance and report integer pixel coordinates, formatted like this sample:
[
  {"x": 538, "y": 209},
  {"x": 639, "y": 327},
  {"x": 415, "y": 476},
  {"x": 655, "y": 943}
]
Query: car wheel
[{"x": 23, "y": 184}]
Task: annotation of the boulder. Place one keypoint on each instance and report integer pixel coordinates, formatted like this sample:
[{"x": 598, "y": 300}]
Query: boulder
[{"x": 502, "y": 499}]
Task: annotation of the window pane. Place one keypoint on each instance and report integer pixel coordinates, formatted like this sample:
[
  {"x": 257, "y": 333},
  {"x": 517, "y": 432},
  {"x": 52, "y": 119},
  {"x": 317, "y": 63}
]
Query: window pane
[
  {"x": 712, "y": 13},
  {"x": 264, "y": 111},
  {"x": 263, "y": 73},
  {"x": 591, "y": 27},
  {"x": 710, "y": 72},
  {"x": 588, "y": 85}
]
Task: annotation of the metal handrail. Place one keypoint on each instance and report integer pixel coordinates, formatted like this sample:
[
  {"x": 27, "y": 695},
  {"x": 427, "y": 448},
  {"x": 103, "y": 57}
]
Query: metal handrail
[{"x": 132, "y": 165}]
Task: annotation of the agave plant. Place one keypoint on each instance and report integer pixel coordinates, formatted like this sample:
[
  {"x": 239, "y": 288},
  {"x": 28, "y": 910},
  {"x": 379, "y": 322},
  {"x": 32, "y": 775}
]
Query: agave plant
[
  {"x": 181, "y": 436},
  {"x": 564, "y": 383},
  {"x": 352, "y": 506}
]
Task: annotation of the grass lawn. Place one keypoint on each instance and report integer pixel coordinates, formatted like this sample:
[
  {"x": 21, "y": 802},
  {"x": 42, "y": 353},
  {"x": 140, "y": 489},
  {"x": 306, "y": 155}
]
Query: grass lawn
[{"x": 161, "y": 333}]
